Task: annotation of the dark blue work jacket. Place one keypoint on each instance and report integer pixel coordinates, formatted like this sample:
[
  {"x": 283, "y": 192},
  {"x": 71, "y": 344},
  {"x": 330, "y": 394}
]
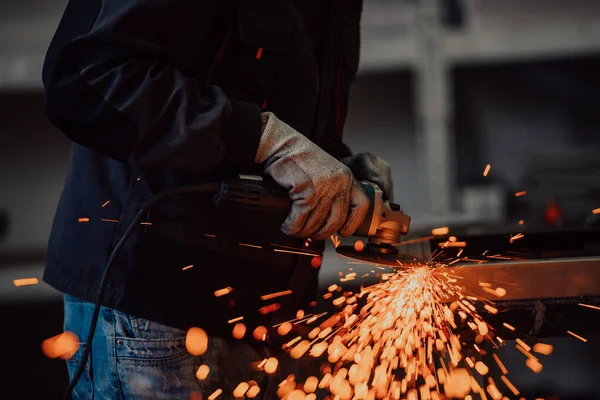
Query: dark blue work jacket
[{"x": 158, "y": 94}]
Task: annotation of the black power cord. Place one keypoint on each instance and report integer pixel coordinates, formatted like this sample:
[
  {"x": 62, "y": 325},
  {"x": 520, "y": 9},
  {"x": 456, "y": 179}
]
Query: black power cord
[{"x": 186, "y": 190}]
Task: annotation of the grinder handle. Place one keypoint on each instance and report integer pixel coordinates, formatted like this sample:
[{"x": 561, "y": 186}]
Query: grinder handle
[
  {"x": 267, "y": 197},
  {"x": 264, "y": 196}
]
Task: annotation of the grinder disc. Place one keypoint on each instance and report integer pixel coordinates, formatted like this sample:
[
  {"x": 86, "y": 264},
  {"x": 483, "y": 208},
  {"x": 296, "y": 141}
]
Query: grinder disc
[{"x": 371, "y": 255}]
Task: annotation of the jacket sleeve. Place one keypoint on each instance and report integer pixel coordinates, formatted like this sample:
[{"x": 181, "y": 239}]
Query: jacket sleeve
[{"x": 118, "y": 79}]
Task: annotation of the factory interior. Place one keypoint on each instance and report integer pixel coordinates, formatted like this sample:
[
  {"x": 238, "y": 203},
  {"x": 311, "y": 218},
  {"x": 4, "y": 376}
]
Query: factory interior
[{"x": 487, "y": 112}]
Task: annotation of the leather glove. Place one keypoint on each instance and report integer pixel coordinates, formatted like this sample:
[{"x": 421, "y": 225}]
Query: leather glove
[
  {"x": 325, "y": 196},
  {"x": 368, "y": 167}
]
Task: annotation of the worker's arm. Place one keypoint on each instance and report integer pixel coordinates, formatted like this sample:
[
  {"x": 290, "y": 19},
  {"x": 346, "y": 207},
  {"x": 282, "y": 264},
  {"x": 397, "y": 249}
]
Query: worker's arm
[{"x": 115, "y": 81}]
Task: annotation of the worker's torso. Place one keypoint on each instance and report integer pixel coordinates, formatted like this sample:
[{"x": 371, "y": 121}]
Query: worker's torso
[{"x": 285, "y": 56}]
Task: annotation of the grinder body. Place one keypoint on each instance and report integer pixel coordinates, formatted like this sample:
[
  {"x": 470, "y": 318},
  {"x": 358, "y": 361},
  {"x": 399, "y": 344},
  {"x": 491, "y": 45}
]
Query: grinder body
[{"x": 383, "y": 226}]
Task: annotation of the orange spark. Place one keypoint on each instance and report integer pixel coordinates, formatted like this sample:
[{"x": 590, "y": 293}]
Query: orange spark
[
  {"x": 260, "y": 333},
  {"x": 202, "y": 372},
  {"x": 490, "y": 309},
  {"x": 293, "y": 341},
  {"x": 275, "y": 295},
  {"x": 521, "y": 193},
  {"x": 209, "y": 235},
  {"x": 223, "y": 292},
  {"x": 509, "y": 385},
  {"x": 512, "y": 328},
  {"x": 359, "y": 245},
  {"x": 269, "y": 309},
  {"x": 239, "y": 330},
  {"x": 109, "y": 220},
  {"x": 596, "y": 211},
  {"x": 231, "y": 321},
  {"x": 577, "y": 336},
  {"x": 215, "y": 394},
  {"x": 83, "y": 219},
  {"x": 521, "y": 222},
  {"x": 542, "y": 348},
  {"x": 253, "y": 391},
  {"x": 589, "y": 306},
  {"x": 105, "y": 204},
  {"x": 440, "y": 231},
  {"x": 486, "y": 171},
  {"x": 533, "y": 365},
  {"x": 517, "y": 237},
  {"x": 301, "y": 253},
  {"x": 310, "y": 385},
  {"x": 284, "y": 328},
  {"x": 481, "y": 368},
  {"x": 25, "y": 282},
  {"x": 417, "y": 240},
  {"x": 250, "y": 245},
  {"x": 336, "y": 241},
  {"x": 452, "y": 244},
  {"x": 523, "y": 344},
  {"x": 63, "y": 346},
  {"x": 500, "y": 364},
  {"x": 196, "y": 341},
  {"x": 241, "y": 390},
  {"x": 271, "y": 365},
  {"x": 525, "y": 352},
  {"x": 188, "y": 267}
]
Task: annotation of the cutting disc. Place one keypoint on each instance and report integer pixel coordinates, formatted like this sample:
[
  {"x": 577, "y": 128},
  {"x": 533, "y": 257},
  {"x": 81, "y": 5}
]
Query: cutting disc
[{"x": 371, "y": 255}]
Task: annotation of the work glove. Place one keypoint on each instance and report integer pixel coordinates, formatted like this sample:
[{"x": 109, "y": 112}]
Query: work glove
[
  {"x": 368, "y": 167},
  {"x": 325, "y": 196}
]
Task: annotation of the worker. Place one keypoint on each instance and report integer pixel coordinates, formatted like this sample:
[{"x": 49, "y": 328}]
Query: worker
[{"x": 159, "y": 94}]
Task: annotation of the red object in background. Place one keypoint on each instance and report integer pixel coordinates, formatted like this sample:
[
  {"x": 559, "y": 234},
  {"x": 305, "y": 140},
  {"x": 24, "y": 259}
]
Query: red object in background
[
  {"x": 316, "y": 262},
  {"x": 554, "y": 215}
]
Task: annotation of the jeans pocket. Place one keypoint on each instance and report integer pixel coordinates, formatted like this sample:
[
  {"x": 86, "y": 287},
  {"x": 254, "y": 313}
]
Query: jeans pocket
[
  {"x": 143, "y": 342},
  {"x": 152, "y": 360},
  {"x": 152, "y": 352},
  {"x": 142, "y": 328}
]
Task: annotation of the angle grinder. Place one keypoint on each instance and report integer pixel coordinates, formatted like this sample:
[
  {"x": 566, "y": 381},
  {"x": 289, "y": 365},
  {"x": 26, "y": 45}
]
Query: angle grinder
[{"x": 383, "y": 226}]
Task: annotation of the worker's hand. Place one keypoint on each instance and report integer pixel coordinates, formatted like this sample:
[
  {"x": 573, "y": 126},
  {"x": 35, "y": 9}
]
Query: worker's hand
[
  {"x": 325, "y": 196},
  {"x": 368, "y": 167}
]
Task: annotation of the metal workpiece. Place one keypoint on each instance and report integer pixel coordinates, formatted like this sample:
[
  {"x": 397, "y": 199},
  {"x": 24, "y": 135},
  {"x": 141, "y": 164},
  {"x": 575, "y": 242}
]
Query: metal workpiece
[{"x": 533, "y": 279}]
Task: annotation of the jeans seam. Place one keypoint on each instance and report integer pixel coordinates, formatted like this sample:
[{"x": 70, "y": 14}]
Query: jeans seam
[{"x": 116, "y": 361}]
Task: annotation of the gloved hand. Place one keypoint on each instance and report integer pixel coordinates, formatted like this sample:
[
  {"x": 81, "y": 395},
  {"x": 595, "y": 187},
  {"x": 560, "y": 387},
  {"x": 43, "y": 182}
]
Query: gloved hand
[
  {"x": 325, "y": 196},
  {"x": 368, "y": 167}
]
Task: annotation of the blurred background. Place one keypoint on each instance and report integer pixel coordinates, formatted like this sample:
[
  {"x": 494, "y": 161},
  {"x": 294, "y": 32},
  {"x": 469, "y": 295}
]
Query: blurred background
[{"x": 445, "y": 87}]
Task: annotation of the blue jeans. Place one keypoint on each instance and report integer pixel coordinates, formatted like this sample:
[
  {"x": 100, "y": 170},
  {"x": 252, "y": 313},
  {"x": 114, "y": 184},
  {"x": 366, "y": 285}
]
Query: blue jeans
[{"x": 134, "y": 358}]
